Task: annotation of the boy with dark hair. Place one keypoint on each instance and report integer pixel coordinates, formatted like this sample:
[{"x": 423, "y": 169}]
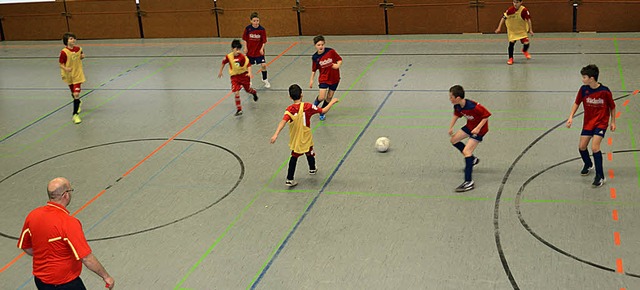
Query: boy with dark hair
[
  {"x": 328, "y": 61},
  {"x": 298, "y": 115},
  {"x": 518, "y": 21},
  {"x": 240, "y": 73},
  {"x": 598, "y": 107},
  {"x": 475, "y": 129},
  {"x": 70, "y": 61},
  {"x": 255, "y": 38}
]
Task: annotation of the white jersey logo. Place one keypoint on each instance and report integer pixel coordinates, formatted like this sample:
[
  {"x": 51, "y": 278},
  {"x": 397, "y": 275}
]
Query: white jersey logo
[
  {"x": 256, "y": 36},
  {"x": 326, "y": 62},
  {"x": 594, "y": 101}
]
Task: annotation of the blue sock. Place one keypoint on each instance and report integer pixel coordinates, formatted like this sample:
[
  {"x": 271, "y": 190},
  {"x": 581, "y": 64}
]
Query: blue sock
[
  {"x": 585, "y": 157},
  {"x": 468, "y": 168},
  {"x": 316, "y": 102},
  {"x": 459, "y": 145},
  {"x": 597, "y": 159}
]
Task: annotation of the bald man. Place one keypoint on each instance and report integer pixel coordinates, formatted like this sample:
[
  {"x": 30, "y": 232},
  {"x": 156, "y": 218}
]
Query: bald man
[{"x": 57, "y": 243}]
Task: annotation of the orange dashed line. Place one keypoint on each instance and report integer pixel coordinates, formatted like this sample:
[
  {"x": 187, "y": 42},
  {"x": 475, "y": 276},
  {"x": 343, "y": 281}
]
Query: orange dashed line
[
  {"x": 611, "y": 173},
  {"x": 615, "y": 215},
  {"x": 610, "y": 156},
  {"x": 618, "y": 114},
  {"x": 616, "y": 238},
  {"x": 625, "y": 103},
  {"x": 619, "y": 264},
  {"x": 613, "y": 193},
  {"x": 636, "y": 92},
  {"x": 610, "y": 141},
  {"x": 623, "y": 288}
]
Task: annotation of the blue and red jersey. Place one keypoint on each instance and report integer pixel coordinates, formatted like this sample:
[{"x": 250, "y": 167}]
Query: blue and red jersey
[
  {"x": 474, "y": 112},
  {"x": 323, "y": 62},
  {"x": 255, "y": 38},
  {"x": 597, "y": 104}
]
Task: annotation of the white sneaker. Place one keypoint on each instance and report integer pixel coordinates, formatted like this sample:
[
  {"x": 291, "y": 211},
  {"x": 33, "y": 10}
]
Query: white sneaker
[
  {"x": 266, "y": 84},
  {"x": 290, "y": 183}
]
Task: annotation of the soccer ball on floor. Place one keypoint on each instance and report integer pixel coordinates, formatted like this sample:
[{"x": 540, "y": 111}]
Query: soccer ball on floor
[{"x": 382, "y": 144}]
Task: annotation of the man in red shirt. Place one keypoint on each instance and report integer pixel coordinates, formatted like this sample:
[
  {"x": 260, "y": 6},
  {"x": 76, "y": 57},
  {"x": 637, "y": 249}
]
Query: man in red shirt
[
  {"x": 57, "y": 243},
  {"x": 598, "y": 107}
]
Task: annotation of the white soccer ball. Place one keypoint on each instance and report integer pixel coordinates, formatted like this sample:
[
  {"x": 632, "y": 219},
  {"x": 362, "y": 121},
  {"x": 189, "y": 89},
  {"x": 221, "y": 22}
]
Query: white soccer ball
[{"x": 382, "y": 144}]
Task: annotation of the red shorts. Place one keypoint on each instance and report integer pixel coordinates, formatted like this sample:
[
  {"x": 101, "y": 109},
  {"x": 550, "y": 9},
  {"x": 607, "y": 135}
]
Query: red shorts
[
  {"x": 524, "y": 40},
  {"x": 75, "y": 88},
  {"x": 308, "y": 153},
  {"x": 240, "y": 81}
]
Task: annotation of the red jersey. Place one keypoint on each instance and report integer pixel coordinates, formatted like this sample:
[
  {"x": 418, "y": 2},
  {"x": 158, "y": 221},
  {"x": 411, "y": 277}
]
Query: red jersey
[
  {"x": 524, "y": 14},
  {"x": 63, "y": 56},
  {"x": 597, "y": 104},
  {"x": 323, "y": 62},
  {"x": 255, "y": 38},
  {"x": 309, "y": 110},
  {"x": 58, "y": 243},
  {"x": 474, "y": 112}
]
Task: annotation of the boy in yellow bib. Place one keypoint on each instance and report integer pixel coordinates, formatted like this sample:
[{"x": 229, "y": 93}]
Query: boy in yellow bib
[
  {"x": 240, "y": 72},
  {"x": 71, "y": 70},
  {"x": 298, "y": 115},
  {"x": 518, "y": 21}
]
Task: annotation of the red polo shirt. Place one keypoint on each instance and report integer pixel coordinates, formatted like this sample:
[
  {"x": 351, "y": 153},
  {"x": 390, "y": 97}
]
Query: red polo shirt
[{"x": 58, "y": 243}]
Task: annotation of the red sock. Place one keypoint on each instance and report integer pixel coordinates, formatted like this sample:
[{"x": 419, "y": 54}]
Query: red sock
[{"x": 238, "y": 106}]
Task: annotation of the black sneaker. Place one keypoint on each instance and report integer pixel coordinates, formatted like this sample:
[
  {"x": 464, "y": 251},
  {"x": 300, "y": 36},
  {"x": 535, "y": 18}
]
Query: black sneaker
[
  {"x": 465, "y": 186},
  {"x": 476, "y": 160},
  {"x": 313, "y": 171},
  {"x": 598, "y": 181},
  {"x": 586, "y": 170},
  {"x": 290, "y": 183},
  {"x": 255, "y": 97},
  {"x": 238, "y": 113}
]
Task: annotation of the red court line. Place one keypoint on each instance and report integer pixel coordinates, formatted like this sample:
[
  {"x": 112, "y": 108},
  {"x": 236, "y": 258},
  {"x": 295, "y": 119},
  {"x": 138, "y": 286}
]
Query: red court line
[
  {"x": 609, "y": 141},
  {"x": 625, "y": 103},
  {"x": 610, "y": 156},
  {"x": 618, "y": 114},
  {"x": 619, "y": 265},
  {"x": 616, "y": 238},
  {"x": 152, "y": 153},
  {"x": 615, "y": 214},
  {"x": 613, "y": 193},
  {"x": 635, "y": 92},
  {"x": 611, "y": 173}
]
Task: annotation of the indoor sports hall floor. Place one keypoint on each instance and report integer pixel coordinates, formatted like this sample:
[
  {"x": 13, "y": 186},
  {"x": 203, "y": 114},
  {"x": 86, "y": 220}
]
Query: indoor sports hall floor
[{"x": 174, "y": 192}]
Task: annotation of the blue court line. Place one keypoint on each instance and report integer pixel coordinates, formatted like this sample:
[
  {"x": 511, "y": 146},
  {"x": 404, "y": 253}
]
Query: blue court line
[
  {"x": 161, "y": 170},
  {"x": 86, "y": 94},
  {"x": 324, "y": 186}
]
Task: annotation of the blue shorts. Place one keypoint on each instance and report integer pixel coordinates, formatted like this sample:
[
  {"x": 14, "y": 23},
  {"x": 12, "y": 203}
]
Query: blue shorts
[
  {"x": 256, "y": 60},
  {"x": 472, "y": 136},
  {"x": 591, "y": 133},
  {"x": 333, "y": 87}
]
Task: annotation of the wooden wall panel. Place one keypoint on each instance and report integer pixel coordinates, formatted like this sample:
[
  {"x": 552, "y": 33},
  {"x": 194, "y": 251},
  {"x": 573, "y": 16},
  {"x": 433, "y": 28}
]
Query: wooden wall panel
[
  {"x": 276, "y": 16},
  {"x": 178, "y": 18},
  {"x": 433, "y": 16},
  {"x": 342, "y": 17},
  {"x": 33, "y": 21},
  {"x": 101, "y": 19},
  {"x": 609, "y": 16},
  {"x": 546, "y": 16}
]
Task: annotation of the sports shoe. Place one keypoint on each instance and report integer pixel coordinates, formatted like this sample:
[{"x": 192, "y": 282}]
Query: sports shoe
[
  {"x": 80, "y": 107},
  {"x": 510, "y": 61},
  {"x": 476, "y": 160},
  {"x": 255, "y": 97},
  {"x": 290, "y": 183},
  {"x": 266, "y": 83},
  {"x": 465, "y": 186},
  {"x": 323, "y": 117},
  {"x": 526, "y": 54},
  {"x": 598, "y": 181},
  {"x": 313, "y": 171},
  {"x": 586, "y": 170},
  {"x": 76, "y": 119},
  {"x": 238, "y": 113}
]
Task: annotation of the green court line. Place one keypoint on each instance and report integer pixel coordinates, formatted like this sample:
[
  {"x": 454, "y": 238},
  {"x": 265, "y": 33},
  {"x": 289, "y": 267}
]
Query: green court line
[
  {"x": 87, "y": 92},
  {"x": 633, "y": 146},
  {"x": 87, "y": 112},
  {"x": 273, "y": 252},
  {"x": 615, "y": 44},
  {"x": 477, "y": 198}
]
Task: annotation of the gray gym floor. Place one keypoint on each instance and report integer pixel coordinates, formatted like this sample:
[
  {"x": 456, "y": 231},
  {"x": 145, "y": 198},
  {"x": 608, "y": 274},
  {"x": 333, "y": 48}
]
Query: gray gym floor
[{"x": 175, "y": 192}]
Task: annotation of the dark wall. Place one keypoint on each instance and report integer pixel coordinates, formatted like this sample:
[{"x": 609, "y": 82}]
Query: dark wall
[{"x": 99, "y": 19}]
